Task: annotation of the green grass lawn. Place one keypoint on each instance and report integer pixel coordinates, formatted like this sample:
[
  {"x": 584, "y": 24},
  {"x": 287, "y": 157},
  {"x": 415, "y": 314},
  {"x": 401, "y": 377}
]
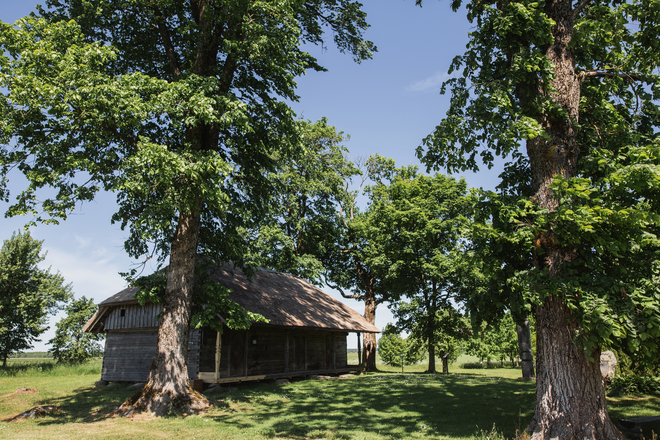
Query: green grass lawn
[{"x": 465, "y": 404}]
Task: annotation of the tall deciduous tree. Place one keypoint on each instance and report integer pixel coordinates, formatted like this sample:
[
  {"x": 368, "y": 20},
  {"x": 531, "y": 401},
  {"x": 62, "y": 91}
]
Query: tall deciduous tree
[
  {"x": 576, "y": 82},
  {"x": 70, "y": 344},
  {"x": 176, "y": 106},
  {"x": 397, "y": 351},
  {"x": 28, "y": 294},
  {"x": 300, "y": 228},
  {"x": 419, "y": 223},
  {"x": 354, "y": 264}
]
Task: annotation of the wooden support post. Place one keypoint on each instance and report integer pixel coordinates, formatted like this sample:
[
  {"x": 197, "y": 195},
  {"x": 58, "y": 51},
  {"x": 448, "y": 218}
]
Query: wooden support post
[
  {"x": 218, "y": 353},
  {"x": 305, "y": 339},
  {"x": 247, "y": 345},
  {"x": 229, "y": 358},
  {"x": 359, "y": 350},
  {"x": 334, "y": 357},
  {"x": 286, "y": 353}
]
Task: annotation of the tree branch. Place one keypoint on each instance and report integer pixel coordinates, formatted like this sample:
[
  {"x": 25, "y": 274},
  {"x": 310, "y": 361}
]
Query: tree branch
[
  {"x": 172, "y": 56},
  {"x": 340, "y": 290},
  {"x": 606, "y": 74},
  {"x": 580, "y": 6}
]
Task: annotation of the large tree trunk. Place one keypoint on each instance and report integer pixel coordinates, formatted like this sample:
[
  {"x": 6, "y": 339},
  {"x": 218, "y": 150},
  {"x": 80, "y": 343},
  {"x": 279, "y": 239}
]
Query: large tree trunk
[
  {"x": 369, "y": 339},
  {"x": 570, "y": 399},
  {"x": 431, "y": 368},
  {"x": 167, "y": 389}
]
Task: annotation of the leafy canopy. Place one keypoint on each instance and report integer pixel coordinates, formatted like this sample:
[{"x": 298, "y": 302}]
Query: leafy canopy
[
  {"x": 70, "y": 345},
  {"x": 502, "y": 95},
  {"x": 174, "y": 108},
  {"x": 28, "y": 294}
]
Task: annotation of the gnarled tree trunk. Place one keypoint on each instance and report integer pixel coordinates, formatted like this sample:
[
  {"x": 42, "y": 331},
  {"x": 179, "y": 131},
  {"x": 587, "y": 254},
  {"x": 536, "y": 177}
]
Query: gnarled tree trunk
[
  {"x": 369, "y": 339},
  {"x": 167, "y": 389},
  {"x": 570, "y": 399}
]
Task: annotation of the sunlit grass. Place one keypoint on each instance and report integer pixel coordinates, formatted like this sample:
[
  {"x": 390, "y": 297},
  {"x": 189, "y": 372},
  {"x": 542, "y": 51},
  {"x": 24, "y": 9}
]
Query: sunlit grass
[{"x": 465, "y": 404}]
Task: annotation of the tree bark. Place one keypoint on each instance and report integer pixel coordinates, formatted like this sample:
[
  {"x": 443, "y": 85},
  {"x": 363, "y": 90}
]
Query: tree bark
[
  {"x": 431, "y": 368},
  {"x": 525, "y": 349},
  {"x": 369, "y": 339},
  {"x": 570, "y": 399},
  {"x": 167, "y": 389}
]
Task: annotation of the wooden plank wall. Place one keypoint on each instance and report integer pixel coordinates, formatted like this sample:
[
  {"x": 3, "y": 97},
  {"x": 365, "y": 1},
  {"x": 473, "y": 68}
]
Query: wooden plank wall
[
  {"x": 135, "y": 316},
  {"x": 316, "y": 352},
  {"x": 266, "y": 352},
  {"x": 341, "y": 350},
  {"x": 128, "y": 355},
  {"x": 194, "y": 341},
  {"x": 207, "y": 350}
]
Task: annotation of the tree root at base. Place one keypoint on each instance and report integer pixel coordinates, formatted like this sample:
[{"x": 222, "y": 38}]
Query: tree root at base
[{"x": 162, "y": 403}]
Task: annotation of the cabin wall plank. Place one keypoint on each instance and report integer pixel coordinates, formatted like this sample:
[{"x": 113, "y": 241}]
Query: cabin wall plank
[
  {"x": 194, "y": 341},
  {"x": 341, "y": 350},
  {"x": 135, "y": 316},
  {"x": 128, "y": 355}
]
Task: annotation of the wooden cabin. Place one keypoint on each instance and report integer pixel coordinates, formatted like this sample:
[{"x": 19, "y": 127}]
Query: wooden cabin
[{"x": 306, "y": 333}]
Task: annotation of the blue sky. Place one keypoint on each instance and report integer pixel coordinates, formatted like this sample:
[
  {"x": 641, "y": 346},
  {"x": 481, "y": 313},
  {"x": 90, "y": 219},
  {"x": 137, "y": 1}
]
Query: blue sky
[{"x": 387, "y": 105}]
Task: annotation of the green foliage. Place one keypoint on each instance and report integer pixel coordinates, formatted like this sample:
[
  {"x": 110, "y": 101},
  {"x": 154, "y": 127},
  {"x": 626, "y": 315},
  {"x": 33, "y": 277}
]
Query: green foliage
[
  {"x": 301, "y": 226},
  {"x": 628, "y": 365},
  {"x": 606, "y": 213},
  {"x": 174, "y": 107},
  {"x": 28, "y": 294},
  {"x": 50, "y": 368},
  {"x": 418, "y": 224},
  {"x": 70, "y": 344},
  {"x": 210, "y": 299},
  {"x": 393, "y": 349},
  {"x": 495, "y": 340},
  {"x": 32, "y": 355},
  {"x": 634, "y": 384}
]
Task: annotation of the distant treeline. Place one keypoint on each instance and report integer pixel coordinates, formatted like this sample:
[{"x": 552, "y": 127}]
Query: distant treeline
[{"x": 32, "y": 355}]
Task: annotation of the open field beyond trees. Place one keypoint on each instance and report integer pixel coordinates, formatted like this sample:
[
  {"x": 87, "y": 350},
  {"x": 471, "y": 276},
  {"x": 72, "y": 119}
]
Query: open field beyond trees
[{"x": 465, "y": 404}]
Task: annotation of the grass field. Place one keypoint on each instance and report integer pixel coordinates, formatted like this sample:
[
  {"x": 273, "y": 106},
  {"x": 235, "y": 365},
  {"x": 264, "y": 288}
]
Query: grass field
[{"x": 465, "y": 404}]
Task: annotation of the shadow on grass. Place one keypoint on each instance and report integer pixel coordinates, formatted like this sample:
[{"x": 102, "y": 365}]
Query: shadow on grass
[
  {"x": 390, "y": 405},
  {"x": 86, "y": 405},
  {"x": 626, "y": 407}
]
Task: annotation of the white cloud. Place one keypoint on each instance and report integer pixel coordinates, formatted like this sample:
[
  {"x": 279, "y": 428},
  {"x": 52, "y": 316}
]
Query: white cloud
[
  {"x": 93, "y": 272},
  {"x": 430, "y": 84},
  {"x": 90, "y": 275},
  {"x": 82, "y": 241}
]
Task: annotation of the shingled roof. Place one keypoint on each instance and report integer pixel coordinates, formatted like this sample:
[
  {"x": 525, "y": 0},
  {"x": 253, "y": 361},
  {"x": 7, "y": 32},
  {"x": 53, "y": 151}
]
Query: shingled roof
[{"x": 285, "y": 300}]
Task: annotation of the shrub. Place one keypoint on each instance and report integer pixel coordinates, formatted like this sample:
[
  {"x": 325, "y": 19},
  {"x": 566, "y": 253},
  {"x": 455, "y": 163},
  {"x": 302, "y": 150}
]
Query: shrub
[{"x": 634, "y": 384}]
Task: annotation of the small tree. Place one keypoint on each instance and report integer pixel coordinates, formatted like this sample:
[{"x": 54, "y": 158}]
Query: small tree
[
  {"x": 70, "y": 344},
  {"x": 391, "y": 346},
  {"x": 494, "y": 340},
  {"x": 28, "y": 294},
  {"x": 419, "y": 223}
]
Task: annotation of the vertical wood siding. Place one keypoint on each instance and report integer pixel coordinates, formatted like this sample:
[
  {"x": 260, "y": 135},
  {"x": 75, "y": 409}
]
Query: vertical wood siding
[
  {"x": 128, "y": 355},
  {"x": 135, "y": 316}
]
